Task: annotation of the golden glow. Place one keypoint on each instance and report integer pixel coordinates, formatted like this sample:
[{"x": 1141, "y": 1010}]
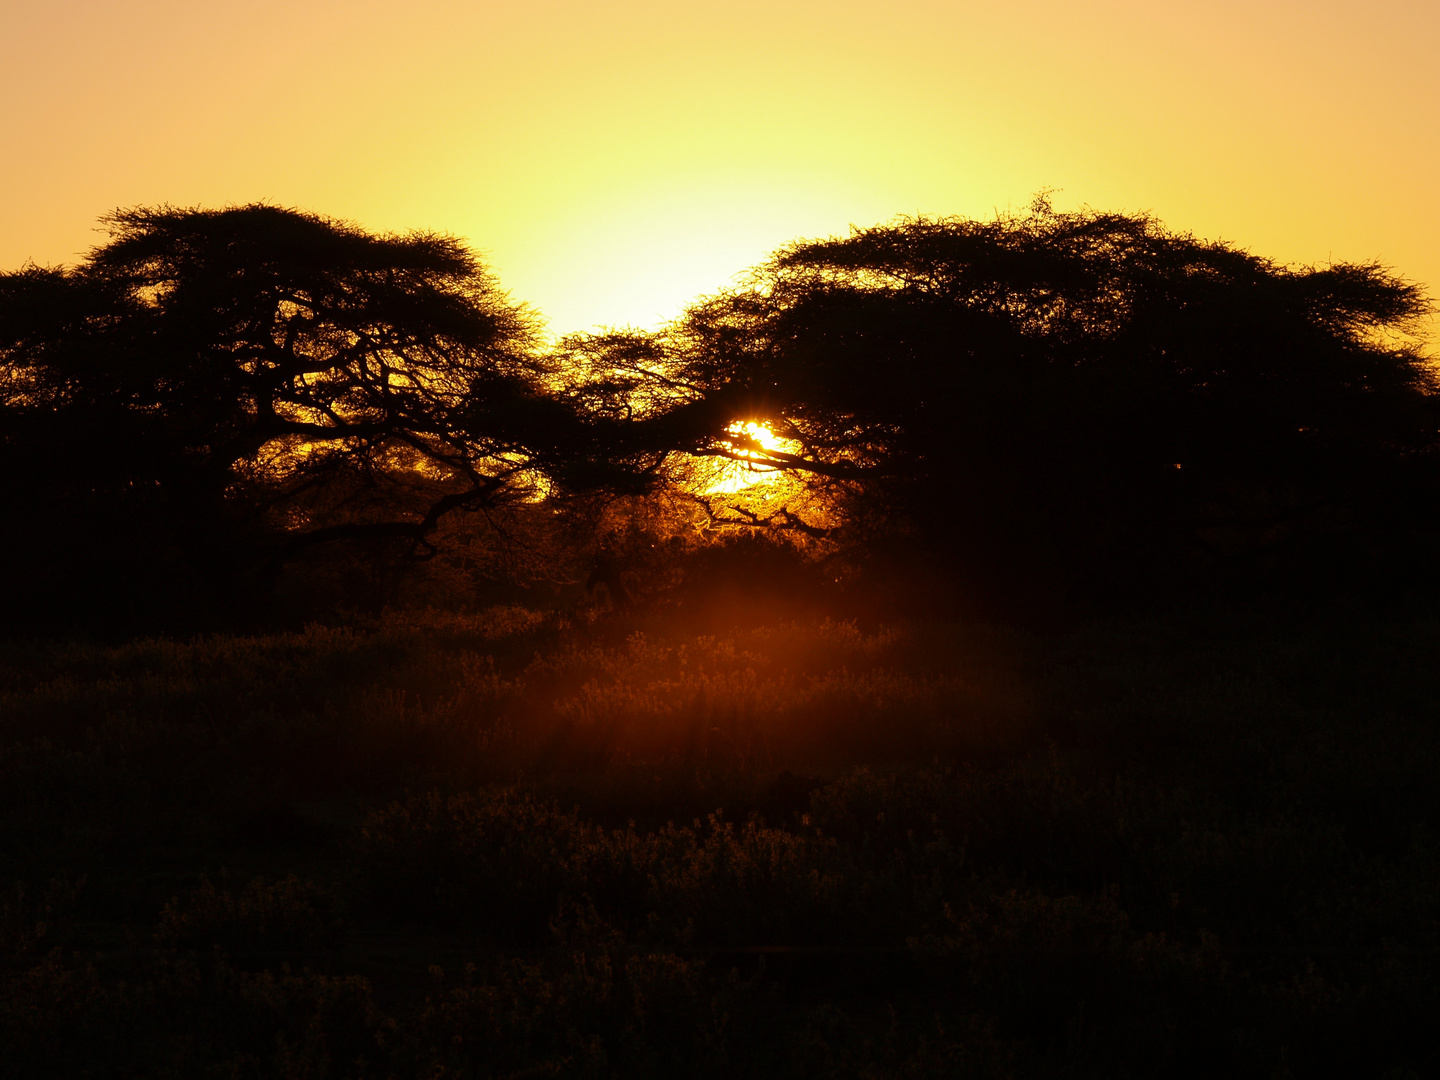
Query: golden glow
[
  {"x": 749, "y": 489},
  {"x": 747, "y": 432},
  {"x": 724, "y": 476},
  {"x": 612, "y": 161}
]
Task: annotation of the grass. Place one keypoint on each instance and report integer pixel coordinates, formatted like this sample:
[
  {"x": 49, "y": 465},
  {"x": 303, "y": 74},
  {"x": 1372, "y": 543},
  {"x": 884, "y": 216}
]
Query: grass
[{"x": 492, "y": 845}]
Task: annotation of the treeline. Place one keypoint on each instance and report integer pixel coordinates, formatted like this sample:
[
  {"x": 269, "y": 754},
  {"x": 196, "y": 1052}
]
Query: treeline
[{"x": 232, "y": 415}]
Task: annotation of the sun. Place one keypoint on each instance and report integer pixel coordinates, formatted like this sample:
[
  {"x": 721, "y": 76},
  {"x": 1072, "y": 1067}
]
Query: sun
[
  {"x": 760, "y": 433},
  {"x": 752, "y": 440}
]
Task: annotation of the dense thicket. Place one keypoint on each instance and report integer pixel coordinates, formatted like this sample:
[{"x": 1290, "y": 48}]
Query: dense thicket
[{"x": 1069, "y": 403}]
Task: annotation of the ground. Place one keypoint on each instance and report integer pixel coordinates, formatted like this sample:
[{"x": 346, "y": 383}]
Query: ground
[{"x": 783, "y": 844}]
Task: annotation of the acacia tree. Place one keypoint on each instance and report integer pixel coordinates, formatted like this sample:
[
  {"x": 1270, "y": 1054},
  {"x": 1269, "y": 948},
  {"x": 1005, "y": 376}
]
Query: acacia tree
[
  {"x": 212, "y": 391},
  {"x": 1057, "y": 401}
]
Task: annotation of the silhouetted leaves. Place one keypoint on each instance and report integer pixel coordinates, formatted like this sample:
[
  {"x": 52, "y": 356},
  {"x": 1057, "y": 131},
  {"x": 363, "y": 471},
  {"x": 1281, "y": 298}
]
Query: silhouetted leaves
[
  {"x": 211, "y": 391},
  {"x": 1070, "y": 408},
  {"x": 1068, "y": 403}
]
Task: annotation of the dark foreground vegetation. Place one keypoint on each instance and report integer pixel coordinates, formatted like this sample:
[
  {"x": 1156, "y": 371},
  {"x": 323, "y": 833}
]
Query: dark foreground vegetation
[
  {"x": 996, "y": 649},
  {"x": 657, "y": 846}
]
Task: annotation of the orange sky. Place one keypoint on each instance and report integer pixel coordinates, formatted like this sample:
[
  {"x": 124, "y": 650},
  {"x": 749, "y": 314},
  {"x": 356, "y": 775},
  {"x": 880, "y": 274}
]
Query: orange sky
[{"x": 615, "y": 159}]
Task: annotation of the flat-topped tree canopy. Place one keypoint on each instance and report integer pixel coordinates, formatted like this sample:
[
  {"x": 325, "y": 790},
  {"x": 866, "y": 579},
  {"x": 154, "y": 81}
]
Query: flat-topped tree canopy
[
  {"x": 1049, "y": 402},
  {"x": 258, "y": 378},
  {"x": 1051, "y": 398}
]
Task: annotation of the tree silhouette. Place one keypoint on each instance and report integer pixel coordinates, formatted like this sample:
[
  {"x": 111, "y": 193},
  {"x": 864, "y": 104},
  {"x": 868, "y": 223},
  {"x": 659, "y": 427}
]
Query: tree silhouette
[
  {"x": 1079, "y": 403},
  {"x": 211, "y": 391},
  {"x": 1065, "y": 401}
]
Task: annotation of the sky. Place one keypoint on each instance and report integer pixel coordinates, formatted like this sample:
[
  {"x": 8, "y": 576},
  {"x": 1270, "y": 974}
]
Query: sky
[{"x": 612, "y": 161}]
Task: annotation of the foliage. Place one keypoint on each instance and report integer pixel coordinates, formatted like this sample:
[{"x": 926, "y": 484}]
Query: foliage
[
  {"x": 289, "y": 916},
  {"x": 753, "y": 814},
  {"x": 1080, "y": 405},
  {"x": 1196, "y": 845},
  {"x": 1055, "y": 411},
  {"x": 223, "y": 388}
]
